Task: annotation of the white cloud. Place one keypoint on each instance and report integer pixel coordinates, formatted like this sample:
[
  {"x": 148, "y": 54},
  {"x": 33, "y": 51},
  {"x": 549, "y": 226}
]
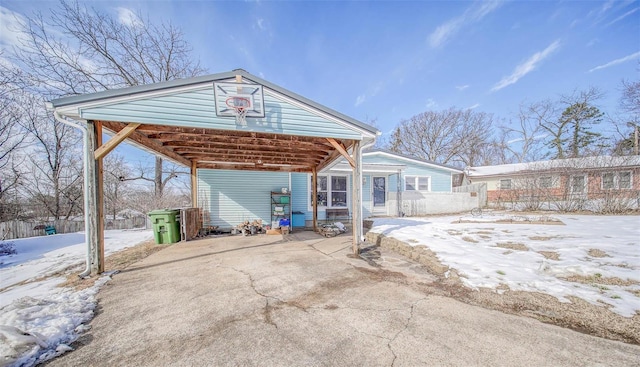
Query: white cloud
[
  {"x": 474, "y": 106},
  {"x": 128, "y": 17},
  {"x": 622, "y": 16},
  {"x": 462, "y": 87},
  {"x": 449, "y": 28},
  {"x": 617, "y": 61},
  {"x": 360, "y": 100},
  {"x": 10, "y": 23},
  {"x": 260, "y": 24},
  {"x": 431, "y": 103},
  {"x": 526, "y": 67}
]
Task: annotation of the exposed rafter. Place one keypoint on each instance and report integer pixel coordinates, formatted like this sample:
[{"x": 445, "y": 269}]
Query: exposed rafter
[{"x": 242, "y": 150}]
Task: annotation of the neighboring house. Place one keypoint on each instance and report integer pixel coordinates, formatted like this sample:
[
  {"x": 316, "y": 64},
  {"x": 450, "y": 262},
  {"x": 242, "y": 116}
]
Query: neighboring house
[
  {"x": 422, "y": 187},
  {"x": 566, "y": 184}
]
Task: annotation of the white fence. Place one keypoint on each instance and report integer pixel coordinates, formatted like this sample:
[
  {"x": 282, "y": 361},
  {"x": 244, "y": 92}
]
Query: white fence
[
  {"x": 415, "y": 203},
  {"x": 21, "y": 229},
  {"x": 479, "y": 189}
]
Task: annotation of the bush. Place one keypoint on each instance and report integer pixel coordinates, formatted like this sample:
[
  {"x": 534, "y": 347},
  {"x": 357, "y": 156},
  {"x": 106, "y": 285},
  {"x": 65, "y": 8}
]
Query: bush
[{"x": 7, "y": 248}]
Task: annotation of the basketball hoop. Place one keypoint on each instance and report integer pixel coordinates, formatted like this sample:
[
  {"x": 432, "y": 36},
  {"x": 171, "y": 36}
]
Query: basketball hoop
[{"x": 240, "y": 106}]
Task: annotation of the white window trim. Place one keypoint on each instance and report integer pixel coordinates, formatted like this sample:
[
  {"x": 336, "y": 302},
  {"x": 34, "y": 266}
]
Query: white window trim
[
  {"x": 616, "y": 180},
  {"x": 586, "y": 185},
  {"x": 329, "y": 190},
  {"x": 415, "y": 182}
]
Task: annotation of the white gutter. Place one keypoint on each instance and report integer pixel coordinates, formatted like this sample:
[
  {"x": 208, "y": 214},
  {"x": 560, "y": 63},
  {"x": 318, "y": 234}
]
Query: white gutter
[{"x": 86, "y": 160}]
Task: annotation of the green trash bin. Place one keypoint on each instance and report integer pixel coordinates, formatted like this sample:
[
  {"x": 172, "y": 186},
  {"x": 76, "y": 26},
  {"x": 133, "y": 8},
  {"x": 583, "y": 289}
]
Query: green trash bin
[{"x": 166, "y": 226}]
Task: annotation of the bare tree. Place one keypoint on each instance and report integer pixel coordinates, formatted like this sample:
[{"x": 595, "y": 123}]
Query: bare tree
[
  {"x": 56, "y": 173},
  {"x": 453, "y": 136},
  {"x": 12, "y": 138},
  {"x": 523, "y": 139},
  {"x": 627, "y": 125},
  {"x": 75, "y": 49},
  {"x": 115, "y": 186}
]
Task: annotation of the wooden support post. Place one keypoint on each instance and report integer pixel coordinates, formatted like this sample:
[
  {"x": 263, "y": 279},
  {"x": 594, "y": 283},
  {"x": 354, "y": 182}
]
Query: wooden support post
[
  {"x": 194, "y": 184},
  {"x": 100, "y": 199},
  {"x": 314, "y": 198},
  {"x": 357, "y": 197},
  {"x": 92, "y": 235}
]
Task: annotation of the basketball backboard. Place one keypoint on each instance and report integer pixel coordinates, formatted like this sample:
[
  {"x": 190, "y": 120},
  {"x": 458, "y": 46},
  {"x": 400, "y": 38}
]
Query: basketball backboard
[{"x": 230, "y": 95}]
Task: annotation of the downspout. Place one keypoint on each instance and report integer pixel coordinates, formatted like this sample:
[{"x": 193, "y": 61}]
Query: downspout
[
  {"x": 362, "y": 148},
  {"x": 86, "y": 160}
]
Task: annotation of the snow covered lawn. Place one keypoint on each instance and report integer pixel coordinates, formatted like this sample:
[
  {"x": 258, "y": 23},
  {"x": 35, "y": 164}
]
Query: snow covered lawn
[
  {"x": 37, "y": 318},
  {"x": 596, "y": 258}
]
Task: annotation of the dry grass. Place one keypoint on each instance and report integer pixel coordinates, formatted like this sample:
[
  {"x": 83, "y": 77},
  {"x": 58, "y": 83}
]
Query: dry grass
[
  {"x": 594, "y": 252},
  {"x": 542, "y": 238},
  {"x": 513, "y": 246},
  {"x": 551, "y": 255},
  {"x": 469, "y": 239},
  {"x": 599, "y": 279},
  {"x": 578, "y": 314},
  {"x": 453, "y": 232},
  {"x": 115, "y": 262}
]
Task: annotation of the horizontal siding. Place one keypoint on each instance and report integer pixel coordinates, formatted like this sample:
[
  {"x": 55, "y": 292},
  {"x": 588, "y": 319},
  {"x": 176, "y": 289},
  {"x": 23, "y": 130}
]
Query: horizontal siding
[
  {"x": 231, "y": 197},
  {"x": 440, "y": 178},
  {"x": 197, "y": 109}
]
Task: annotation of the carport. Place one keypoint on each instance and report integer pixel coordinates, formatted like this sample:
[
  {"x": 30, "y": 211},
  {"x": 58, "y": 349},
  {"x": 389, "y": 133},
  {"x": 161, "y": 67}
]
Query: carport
[{"x": 185, "y": 121}]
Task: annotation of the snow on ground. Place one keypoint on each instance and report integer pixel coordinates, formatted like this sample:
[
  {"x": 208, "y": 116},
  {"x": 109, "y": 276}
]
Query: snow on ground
[
  {"x": 37, "y": 318},
  {"x": 592, "y": 249}
]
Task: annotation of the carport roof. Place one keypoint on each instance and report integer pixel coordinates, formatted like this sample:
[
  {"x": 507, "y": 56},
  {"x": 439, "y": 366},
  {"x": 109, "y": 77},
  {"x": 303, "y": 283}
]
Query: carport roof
[
  {"x": 153, "y": 118},
  {"x": 130, "y": 91}
]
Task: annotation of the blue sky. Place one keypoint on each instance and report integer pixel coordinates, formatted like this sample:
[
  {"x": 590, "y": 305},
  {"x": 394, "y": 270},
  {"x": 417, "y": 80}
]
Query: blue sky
[{"x": 389, "y": 61}]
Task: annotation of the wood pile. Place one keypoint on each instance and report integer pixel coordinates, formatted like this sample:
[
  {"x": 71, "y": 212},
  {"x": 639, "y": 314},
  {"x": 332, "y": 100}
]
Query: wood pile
[{"x": 249, "y": 228}]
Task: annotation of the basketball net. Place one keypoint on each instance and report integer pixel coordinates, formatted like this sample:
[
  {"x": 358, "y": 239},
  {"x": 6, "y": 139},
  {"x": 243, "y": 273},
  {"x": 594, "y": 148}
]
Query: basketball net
[
  {"x": 241, "y": 114},
  {"x": 240, "y": 106}
]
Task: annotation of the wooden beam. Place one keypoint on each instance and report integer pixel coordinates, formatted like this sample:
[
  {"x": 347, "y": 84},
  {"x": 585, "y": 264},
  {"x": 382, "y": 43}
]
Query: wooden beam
[
  {"x": 115, "y": 140},
  {"x": 242, "y": 167},
  {"x": 332, "y": 157},
  {"x": 180, "y": 145},
  {"x": 342, "y": 151},
  {"x": 253, "y": 161},
  {"x": 194, "y": 184},
  {"x": 153, "y": 145},
  {"x": 167, "y": 138},
  {"x": 156, "y": 129},
  {"x": 314, "y": 198}
]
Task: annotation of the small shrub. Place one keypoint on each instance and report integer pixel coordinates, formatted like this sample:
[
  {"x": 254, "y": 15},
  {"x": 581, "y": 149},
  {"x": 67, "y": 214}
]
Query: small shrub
[{"x": 7, "y": 248}]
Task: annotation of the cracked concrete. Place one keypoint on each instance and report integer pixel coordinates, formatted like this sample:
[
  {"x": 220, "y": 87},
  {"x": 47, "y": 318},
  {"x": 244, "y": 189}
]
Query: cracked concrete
[{"x": 263, "y": 300}]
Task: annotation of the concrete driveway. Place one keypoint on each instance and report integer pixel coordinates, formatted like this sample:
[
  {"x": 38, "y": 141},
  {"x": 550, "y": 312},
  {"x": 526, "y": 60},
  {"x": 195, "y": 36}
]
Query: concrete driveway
[{"x": 269, "y": 301}]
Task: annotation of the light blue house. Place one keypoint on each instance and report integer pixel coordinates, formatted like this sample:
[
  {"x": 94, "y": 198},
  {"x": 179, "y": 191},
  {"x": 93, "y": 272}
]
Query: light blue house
[{"x": 389, "y": 181}]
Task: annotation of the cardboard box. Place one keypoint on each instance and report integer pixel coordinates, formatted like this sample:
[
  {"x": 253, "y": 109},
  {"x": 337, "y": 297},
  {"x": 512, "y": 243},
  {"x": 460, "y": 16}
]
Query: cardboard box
[{"x": 274, "y": 231}]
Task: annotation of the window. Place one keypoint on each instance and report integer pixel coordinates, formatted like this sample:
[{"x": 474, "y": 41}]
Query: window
[
  {"x": 545, "y": 182},
  {"x": 624, "y": 180},
  {"x": 608, "y": 181},
  {"x": 616, "y": 180},
  {"x": 332, "y": 191},
  {"x": 338, "y": 191},
  {"x": 505, "y": 184},
  {"x": 578, "y": 184},
  {"x": 420, "y": 183}
]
